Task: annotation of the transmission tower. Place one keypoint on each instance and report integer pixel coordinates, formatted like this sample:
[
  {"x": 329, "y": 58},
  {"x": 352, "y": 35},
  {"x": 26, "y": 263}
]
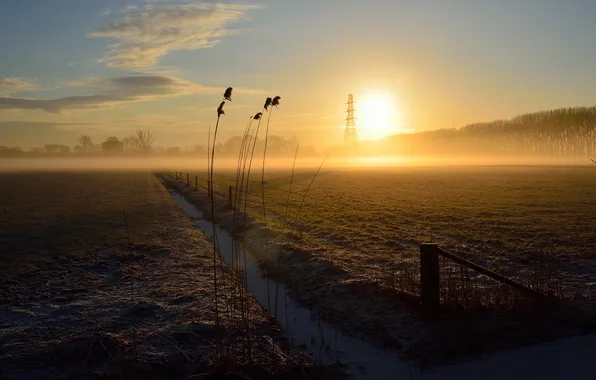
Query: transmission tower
[{"x": 350, "y": 133}]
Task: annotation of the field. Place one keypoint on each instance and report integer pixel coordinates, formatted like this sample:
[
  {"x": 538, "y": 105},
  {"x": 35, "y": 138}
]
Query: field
[
  {"x": 86, "y": 292},
  {"x": 503, "y": 216},
  {"x": 103, "y": 274},
  {"x": 357, "y": 235}
]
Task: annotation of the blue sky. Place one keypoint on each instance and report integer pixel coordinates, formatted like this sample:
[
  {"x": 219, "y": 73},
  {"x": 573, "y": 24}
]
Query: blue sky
[{"x": 67, "y": 65}]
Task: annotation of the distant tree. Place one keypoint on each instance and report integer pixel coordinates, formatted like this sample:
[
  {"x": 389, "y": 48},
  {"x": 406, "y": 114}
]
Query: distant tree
[
  {"x": 198, "y": 149},
  {"x": 131, "y": 143},
  {"x": 141, "y": 141},
  {"x": 145, "y": 140},
  {"x": 50, "y": 148},
  {"x": 37, "y": 150},
  {"x": 10, "y": 151},
  {"x": 112, "y": 145},
  {"x": 277, "y": 144},
  {"x": 56, "y": 149},
  {"x": 86, "y": 144}
]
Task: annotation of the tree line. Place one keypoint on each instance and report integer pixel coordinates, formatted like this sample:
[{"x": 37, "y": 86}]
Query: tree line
[
  {"x": 565, "y": 132},
  {"x": 142, "y": 142}
]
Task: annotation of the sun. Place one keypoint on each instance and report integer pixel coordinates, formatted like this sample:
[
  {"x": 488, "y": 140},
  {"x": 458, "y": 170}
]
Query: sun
[{"x": 377, "y": 115}]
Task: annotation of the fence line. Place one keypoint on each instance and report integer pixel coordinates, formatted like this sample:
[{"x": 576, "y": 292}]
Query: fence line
[
  {"x": 204, "y": 183},
  {"x": 430, "y": 278}
]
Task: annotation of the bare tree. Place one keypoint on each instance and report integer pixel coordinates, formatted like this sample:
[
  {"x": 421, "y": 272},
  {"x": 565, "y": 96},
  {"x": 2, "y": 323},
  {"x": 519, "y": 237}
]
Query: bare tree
[
  {"x": 145, "y": 140},
  {"x": 140, "y": 141},
  {"x": 86, "y": 144},
  {"x": 131, "y": 143}
]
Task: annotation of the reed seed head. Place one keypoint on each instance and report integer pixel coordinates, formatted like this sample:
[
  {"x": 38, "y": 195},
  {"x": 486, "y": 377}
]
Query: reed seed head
[
  {"x": 275, "y": 101},
  {"x": 268, "y": 103},
  {"x": 228, "y": 94},
  {"x": 220, "y": 110}
]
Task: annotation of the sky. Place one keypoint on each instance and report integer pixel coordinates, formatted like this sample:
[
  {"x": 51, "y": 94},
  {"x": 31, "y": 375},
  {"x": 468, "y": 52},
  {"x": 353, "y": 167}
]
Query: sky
[{"x": 106, "y": 67}]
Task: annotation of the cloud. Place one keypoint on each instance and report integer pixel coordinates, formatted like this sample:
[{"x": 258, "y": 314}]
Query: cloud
[
  {"x": 142, "y": 35},
  {"x": 11, "y": 85},
  {"x": 85, "y": 82},
  {"x": 113, "y": 91}
]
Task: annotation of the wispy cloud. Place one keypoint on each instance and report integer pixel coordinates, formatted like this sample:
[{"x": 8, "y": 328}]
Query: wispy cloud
[
  {"x": 13, "y": 85},
  {"x": 144, "y": 34},
  {"x": 116, "y": 90},
  {"x": 85, "y": 82}
]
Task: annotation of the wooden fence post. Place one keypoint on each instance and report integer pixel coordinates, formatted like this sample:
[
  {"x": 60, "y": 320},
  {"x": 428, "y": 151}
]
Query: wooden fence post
[
  {"x": 230, "y": 196},
  {"x": 430, "y": 295},
  {"x": 196, "y": 183}
]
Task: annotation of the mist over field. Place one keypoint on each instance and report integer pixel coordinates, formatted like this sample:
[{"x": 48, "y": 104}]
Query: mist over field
[{"x": 280, "y": 163}]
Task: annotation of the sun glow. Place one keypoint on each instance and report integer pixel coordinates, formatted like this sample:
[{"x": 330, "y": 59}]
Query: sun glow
[{"x": 377, "y": 115}]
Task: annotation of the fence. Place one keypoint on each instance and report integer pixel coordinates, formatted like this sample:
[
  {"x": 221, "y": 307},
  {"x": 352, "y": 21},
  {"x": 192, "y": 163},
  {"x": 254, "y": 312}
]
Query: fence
[
  {"x": 226, "y": 190},
  {"x": 430, "y": 279}
]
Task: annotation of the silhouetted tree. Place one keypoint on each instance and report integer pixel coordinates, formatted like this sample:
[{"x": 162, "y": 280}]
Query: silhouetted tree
[
  {"x": 145, "y": 140},
  {"x": 131, "y": 143},
  {"x": 112, "y": 145},
  {"x": 86, "y": 144},
  {"x": 10, "y": 151},
  {"x": 56, "y": 149}
]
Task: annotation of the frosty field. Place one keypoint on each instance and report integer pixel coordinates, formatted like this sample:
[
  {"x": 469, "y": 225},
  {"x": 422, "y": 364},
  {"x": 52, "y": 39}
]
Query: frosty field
[
  {"x": 502, "y": 216},
  {"x": 83, "y": 296},
  {"x": 353, "y": 248}
]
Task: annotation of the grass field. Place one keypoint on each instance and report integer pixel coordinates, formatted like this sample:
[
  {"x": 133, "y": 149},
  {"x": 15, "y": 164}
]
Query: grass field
[
  {"x": 80, "y": 299},
  {"x": 357, "y": 237},
  {"x": 49, "y": 214},
  {"x": 502, "y": 216}
]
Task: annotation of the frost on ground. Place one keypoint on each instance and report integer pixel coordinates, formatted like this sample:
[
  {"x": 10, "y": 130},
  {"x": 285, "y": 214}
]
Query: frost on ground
[
  {"x": 140, "y": 310},
  {"x": 359, "y": 234}
]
